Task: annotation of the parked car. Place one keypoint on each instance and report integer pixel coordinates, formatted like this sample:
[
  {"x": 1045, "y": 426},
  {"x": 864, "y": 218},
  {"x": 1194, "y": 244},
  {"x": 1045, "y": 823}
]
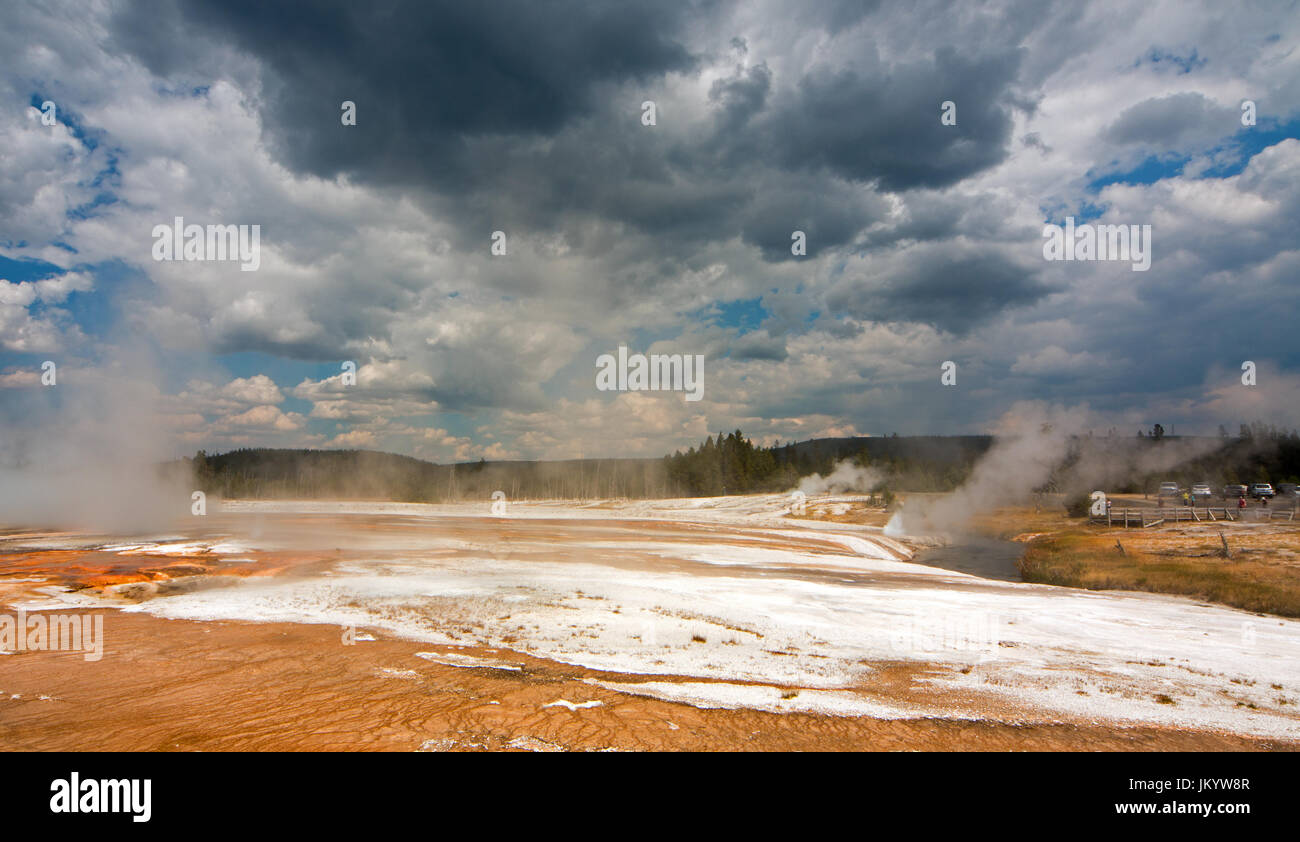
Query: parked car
[
  {"x": 1232, "y": 492},
  {"x": 1261, "y": 490},
  {"x": 1288, "y": 490},
  {"x": 1201, "y": 490},
  {"x": 1169, "y": 489}
]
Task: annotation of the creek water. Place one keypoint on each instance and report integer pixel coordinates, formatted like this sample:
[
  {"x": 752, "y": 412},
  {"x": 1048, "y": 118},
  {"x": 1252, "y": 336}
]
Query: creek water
[{"x": 987, "y": 558}]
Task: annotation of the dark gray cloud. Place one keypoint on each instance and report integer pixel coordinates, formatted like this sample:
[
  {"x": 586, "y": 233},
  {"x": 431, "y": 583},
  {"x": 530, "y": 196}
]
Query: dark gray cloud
[
  {"x": 829, "y": 212},
  {"x": 884, "y": 126},
  {"x": 759, "y": 345},
  {"x": 518, "y": 117},
  {"x": 427, "y": 77},
  {"x": 952, "y": 289},
  {"x": 742, "y": 96},
  {"x": 1171, "y": 120}
]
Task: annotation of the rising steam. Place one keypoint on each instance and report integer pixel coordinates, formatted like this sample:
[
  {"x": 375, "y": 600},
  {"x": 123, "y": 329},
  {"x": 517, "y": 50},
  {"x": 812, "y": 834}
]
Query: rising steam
[
  {"x": 845, "y": 477},
  {"x": 92, "y": 460},
  {"x": 1031, "y": 447}
]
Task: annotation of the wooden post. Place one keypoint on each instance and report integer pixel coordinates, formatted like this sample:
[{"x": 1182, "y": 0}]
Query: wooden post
[{"x": 1227, "y": 553}]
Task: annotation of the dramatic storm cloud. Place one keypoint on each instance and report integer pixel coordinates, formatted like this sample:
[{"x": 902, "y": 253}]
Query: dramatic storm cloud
[{"x": 831, "y": 200}]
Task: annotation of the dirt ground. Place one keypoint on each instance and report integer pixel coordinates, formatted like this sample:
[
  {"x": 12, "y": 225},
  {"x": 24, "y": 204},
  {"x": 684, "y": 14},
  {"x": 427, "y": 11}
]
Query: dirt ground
[
  {"x": 172, "y": 684},
  {"x": 175, "y": 685}
]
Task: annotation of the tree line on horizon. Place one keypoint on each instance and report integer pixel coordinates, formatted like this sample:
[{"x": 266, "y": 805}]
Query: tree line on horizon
[
  {"x": 727, "y": 464},
  {"x": 734, "y": 465}
]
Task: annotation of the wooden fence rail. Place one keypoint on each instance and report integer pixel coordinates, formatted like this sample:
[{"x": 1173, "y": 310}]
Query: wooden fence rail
[{"x": 1144, "y": 517}]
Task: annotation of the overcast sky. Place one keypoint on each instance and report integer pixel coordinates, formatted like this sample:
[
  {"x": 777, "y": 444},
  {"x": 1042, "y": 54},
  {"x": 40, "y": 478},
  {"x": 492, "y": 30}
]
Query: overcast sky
[{"x": 924, "y": 240}]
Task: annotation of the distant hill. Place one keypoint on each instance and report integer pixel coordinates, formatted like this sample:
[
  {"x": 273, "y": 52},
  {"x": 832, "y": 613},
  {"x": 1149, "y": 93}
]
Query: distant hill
[
  {"x": 368, "y": 474},
  {"x": 938, "y": 450}
]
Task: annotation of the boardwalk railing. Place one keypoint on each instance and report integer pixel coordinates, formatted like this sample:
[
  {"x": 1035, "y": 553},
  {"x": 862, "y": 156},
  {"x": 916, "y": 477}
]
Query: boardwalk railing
[{"x": 1144, "y": 517}]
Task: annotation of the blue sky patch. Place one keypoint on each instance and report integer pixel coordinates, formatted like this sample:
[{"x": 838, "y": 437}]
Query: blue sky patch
[
  {"x": 745, "y": 314},
  {"x": 1234, "y": 154}
]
